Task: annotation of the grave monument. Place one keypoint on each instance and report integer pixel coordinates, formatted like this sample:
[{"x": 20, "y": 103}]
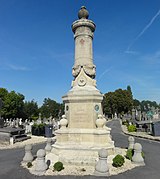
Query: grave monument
[
  {"x": 9, "y": 135},
  {"x": 83, "y": 132}
]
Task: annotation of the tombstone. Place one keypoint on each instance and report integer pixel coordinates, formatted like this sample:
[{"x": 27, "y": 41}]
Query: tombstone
[
  {"x": 137, "y": 157},
  {"x": 133, "y": 114},
  {"x": 28, "y": 128},
  {"x": 10, "y": 122},
  {"x": 1, "y": 122},
  {"x": 28, "y": 157},
  {"x": 40, "y": 166},
  {"x": 45, "y": 120},
  {"x": 156, "y": 128},
  {"x": 101, "y": 168},
  {"x": 7, "y": 122},
  {"x": 13, "y": 123},
  {"x": 115, "y": 115},
  {"x": 130, "y": 142},
  {"x": 48, "y": 146},
  {"x": 26, "y": 121},
  {"x": 20, "y": 122},
  {"x": 39, "y": 120},
  {"x": 139, "y": 116}
]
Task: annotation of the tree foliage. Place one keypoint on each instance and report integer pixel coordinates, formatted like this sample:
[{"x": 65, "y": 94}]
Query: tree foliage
[
  {"x": 12, "y": 104},
  {"x": 51, "y": 108},
  {"x": 119, "y": 101},
  {"x": 30, "y": 109}
]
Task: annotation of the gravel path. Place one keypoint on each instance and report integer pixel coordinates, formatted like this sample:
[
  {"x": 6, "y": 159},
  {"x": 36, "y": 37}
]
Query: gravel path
[{"x": 34, "y": 140}]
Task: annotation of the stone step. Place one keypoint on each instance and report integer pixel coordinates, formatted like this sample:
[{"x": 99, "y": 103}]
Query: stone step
[{"x": 19, "y": 139}]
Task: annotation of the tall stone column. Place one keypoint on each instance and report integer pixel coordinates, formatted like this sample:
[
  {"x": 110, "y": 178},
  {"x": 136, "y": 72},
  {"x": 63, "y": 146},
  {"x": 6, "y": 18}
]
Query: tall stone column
[
  {"x": 84, "y": 133},
  {"x": 83, "y": 101},
  {"x": 83, "y": 30}
]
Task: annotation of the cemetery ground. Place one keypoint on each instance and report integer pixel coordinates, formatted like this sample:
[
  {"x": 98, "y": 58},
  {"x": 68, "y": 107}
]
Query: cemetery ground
[{"x": 10, "y": 159}]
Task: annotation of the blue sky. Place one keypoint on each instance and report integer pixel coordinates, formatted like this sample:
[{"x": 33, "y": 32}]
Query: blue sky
[{"x": 37, "y": 46}]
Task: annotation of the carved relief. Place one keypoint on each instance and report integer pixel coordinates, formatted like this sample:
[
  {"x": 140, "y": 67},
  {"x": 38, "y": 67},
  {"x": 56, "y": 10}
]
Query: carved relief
[
  {"x": 82, "y": 81},
  {"x": 76, "y": 70},
  {"x": 90, "y": 70}
]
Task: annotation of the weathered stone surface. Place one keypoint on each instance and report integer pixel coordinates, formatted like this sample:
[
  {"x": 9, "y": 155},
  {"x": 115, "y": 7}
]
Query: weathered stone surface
[
  {"x": 40, "y": 166},
  {"x": 79, "y": 140},
  {"x": 28, "y": 157},
  {"x": 100, "y": 121},
  {"x": 48, "y": 146},
  {"x": 101, "y": 168},
  {"x": 63, "y": 122},
  {"x": 137, "y": 157},
  {"x": 130, "y": 142}
]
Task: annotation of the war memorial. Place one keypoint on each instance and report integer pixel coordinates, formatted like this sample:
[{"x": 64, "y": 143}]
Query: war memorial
[
  {"x": 83, "y": 138},
  {"x": 83, "y": 130}
]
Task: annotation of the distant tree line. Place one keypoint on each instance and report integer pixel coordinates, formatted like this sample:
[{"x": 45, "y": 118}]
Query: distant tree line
[
  {"x": 120, "y": 101},
  {"x": 15, "y": 106}
]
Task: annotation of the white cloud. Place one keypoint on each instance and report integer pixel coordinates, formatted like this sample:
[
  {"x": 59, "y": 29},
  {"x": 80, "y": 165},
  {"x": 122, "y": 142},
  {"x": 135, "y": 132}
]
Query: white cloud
[
  {"x": 144, "y": 29},
  {"x": 17, "y": 68},
  {"x": 104, "y": 72},
  {"x": 131, "y": 52}
]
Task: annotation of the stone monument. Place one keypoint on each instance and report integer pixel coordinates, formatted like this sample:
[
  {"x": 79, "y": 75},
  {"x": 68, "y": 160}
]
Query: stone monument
[{"x": 79, "y": 141}]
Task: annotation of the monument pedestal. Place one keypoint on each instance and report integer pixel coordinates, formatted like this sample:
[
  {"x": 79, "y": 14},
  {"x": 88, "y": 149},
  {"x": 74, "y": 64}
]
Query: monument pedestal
[
  {"x": 80, "y": 141},
  {"x": 81, "y": 146}
]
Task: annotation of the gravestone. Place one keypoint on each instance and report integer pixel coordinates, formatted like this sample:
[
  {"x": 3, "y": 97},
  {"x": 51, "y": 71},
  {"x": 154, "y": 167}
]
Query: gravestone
[
  {"x": 39, "y": 120},
  {"x": 156, "y": 128}
]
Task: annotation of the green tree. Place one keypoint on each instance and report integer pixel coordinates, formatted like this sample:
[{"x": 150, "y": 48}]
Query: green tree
[
  {"x": 120, "y": 101},
  {"x": 30, "y": 109},
  {"x": 12, "y": 105},
  {"x": 50, "y": 107},
  {"x": 146, "y": 104},
  {"x": 136, "y": 103},
  {"x": 129, "y": 90},
  {"x": 3, "y": 93}
]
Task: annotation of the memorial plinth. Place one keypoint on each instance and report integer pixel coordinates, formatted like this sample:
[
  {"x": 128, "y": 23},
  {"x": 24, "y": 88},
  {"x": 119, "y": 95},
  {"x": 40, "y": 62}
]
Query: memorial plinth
[{"x": 83, "y": 132}]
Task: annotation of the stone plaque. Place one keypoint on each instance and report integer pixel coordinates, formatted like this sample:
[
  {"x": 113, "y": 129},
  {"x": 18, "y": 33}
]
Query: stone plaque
[{"x": 81, "y": 116}]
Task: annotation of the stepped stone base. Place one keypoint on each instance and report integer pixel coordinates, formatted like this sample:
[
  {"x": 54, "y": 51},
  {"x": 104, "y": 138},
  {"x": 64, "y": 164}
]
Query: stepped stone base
[{"x": 80, "y": 146}]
